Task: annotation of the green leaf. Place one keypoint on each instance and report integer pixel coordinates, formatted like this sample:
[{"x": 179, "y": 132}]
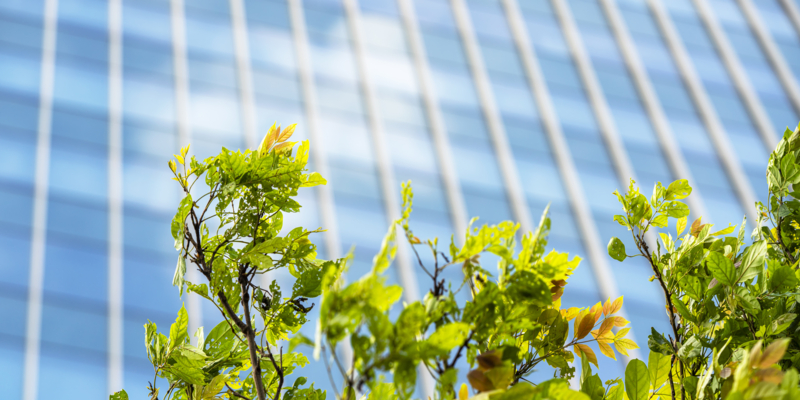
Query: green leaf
[
  {"x": 449, "y": 336},
  {"x": 690, "y": 349},
  {"x": 677, "y": 190},
  {"x": 658, "y": 343},
  {"x": 593, "y": 387},
  {"x": 675, "y": 209},
  {"x": 180, "y": 272},
  {"x": 721, "y": 268},
  {"x": 616, "y": 249},
  {"x": 753, "y": 260},
  {"x": 780, "y": 276},
  {"x": 616, "y": 392},
  {"x": 121, "y": 395},
  {"x": 178, "y": 331},
  {"x": 637, "y": 379},
  {"x": 658, "y": 367},
  {"x": 309, "y": 284},
  {"x": 747, "y": 300}
]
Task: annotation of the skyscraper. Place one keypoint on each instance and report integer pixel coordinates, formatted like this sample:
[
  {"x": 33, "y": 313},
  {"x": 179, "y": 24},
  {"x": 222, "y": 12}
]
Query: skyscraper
[{"x": 493, "y": 108}]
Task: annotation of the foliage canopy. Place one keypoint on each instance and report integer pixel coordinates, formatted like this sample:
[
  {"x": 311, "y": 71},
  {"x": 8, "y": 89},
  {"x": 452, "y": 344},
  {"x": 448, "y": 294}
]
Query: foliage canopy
[{"x": 731, "y": 303}]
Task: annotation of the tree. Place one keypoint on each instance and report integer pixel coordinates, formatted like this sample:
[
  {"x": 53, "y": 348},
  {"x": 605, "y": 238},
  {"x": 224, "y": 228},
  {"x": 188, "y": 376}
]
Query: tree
[{"x": 726, "y": 299}]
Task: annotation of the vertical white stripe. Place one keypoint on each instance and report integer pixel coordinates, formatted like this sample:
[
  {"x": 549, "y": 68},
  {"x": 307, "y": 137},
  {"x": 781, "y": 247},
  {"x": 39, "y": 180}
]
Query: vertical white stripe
[
  {"x": 738, "y": 75},
  {"x": 181, "y": 72},
  {"x": 566, "y": 166},
  {"x": 793, "y": 13},
  {"x": 382, "y": 155},
  {"x": 40, "y": 191},
  {"x": 455, "y": 199},
  {"x": 505, "y": 159},
  {"x": 244, "y": 74},
  {"x": 115, "y": 249},
  {"x": 616, "y": 149},
  {"x": 324, "y": 193},
  {"x": 705, "y": 109},
  {"x": 652, "y": 105},
  {"x": 774, "y": 54},
  {"x": 405, "y": 268}
]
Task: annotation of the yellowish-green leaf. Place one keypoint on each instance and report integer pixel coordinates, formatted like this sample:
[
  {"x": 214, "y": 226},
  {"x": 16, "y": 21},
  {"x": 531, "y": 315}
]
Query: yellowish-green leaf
[
  {"x": 658, "y": 367},
  {"x": 449, "y": 336},
  {"x": 313, "y": 179},
  {"x": 681, "y": 225},
  {"x": 725, "y": 231},
  {"x": 637, "y": 380},
  {"x": 606, "y": 349}
]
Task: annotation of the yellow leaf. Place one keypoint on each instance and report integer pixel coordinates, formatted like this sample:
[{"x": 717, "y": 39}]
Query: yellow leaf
[
  {"x": 284, "y": 146},
  {"x": 606, "y": 350},
  {"x": 621, "y": 334},
  {"x": 463, "y": 394},
  {"x": 616, "y": 306},
  {"x": 621, "y": 349},
  {"x": 626, "y": 343},
  {"x": 582, "y": 350},
  {"x": 172, "y": 166},
  {"x": 681, "y": 225},
  {"x": 607, "y": 307},
  {"x": 570, "y": 313},
  {"x": 184, "y": 151},
  {"x": 725, "y": 231},
  {"x": 596, "y": 310},
  {"x": 606, "y": 326},
  {"x": 287, "y": 133},
  {"x": 585, "y": 326},
  {"x": 578, "y": 321},
  {"x": 619, "y": 321},
  {"x": 179, "y": 158}
]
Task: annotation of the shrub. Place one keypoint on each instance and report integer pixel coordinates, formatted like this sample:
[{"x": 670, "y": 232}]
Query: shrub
[{"x": 731, "y": 303}]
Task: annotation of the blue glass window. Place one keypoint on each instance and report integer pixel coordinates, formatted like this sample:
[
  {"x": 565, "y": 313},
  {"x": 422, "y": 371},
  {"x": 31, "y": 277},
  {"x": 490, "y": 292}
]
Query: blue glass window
[
  {"x": 76, "y": 270},
  {"x": 15, "y": 245},
  {"x": 150, "y": 21},
  {"x": 78, "y": 172},
  {"x": 20, "y": 32},
  {"x": 271, "y": 48},
  {"x": 19, "y": 74},
  {"x": 17, "y": 155}
]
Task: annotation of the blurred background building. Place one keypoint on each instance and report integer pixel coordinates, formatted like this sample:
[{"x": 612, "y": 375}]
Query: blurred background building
[{"x": 493, "y": 108}]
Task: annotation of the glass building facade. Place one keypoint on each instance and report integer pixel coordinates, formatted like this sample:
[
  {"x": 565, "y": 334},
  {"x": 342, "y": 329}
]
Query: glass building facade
[{"x": 493, "y": 108}]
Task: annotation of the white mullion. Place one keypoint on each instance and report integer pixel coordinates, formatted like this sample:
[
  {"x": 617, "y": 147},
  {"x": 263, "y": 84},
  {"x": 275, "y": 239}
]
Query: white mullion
[
  {"x": 380, "y": 147},
  {"x": 455, "y": 198},
  {"x": 793, "y": 13},
  {"x": 652, "y": 105},
  {"x": 30, "y": 380},
  {"x": 774, "y": 55},
  {"x": 719, "y": 138},
  {"x": 617, "y": 153},
  {"x": 740, "y": 79},
  {"x": 502, "y": 149},
  {"x": 244, "y": 73},
  {"x": 561, "y": 153},
  {"x": 181, "y": 76},
  {"x": 115, "y": 194},
  {"x": 305, "y": 71},
  {"x": 389, "y": 190}
]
